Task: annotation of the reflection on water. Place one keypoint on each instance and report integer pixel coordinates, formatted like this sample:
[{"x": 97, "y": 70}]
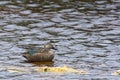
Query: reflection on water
[
  {"x": 86, "y": 33},
  {"x": 51, "y": 64}
]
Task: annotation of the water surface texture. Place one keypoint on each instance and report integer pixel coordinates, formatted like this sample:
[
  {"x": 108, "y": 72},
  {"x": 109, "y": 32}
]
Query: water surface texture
[{"x": 86, "y": 34}]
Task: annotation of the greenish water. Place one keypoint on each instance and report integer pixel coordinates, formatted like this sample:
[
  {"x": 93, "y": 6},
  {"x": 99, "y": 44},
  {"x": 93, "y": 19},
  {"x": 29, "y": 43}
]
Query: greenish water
[{"x": 86, "y": 34}]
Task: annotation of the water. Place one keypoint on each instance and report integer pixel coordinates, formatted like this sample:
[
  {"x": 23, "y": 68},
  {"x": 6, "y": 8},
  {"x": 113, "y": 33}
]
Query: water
[{"x": 86, "y": 34}]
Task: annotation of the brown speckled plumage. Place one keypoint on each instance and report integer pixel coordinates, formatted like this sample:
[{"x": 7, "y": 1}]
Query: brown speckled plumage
[{"x": 43, "y": 54}]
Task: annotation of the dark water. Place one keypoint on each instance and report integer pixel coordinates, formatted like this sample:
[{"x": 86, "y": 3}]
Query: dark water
[{"x": 86, "y": 33}]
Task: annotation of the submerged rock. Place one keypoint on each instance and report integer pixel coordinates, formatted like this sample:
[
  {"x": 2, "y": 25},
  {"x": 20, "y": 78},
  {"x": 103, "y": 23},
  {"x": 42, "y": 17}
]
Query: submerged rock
[
  {"x": 63, "y": 69},
  {"x": 116, "y": 72}
]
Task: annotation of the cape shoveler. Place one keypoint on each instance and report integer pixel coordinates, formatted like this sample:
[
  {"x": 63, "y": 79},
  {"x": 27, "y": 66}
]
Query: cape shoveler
[{"x": 43, "y": 54}]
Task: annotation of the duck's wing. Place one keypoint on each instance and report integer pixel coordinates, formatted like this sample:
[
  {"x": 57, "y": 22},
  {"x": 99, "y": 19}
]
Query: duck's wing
[
  {"x": 32, "y": 51},
  {"x": 42, "y": 57}
]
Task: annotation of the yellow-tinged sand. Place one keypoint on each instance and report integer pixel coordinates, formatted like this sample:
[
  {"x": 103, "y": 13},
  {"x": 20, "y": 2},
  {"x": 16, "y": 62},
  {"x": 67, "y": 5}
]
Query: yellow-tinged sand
[
  {"x": 63, "y": 69},
  {"x": 116, "y": 72}
]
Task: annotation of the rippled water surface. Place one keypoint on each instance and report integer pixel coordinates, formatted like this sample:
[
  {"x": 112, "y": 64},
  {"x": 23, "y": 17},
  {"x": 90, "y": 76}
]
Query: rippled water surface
[{"x": 86, "y": 34}]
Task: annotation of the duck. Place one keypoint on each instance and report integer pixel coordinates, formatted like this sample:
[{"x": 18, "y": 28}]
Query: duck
[{"x": 41, "y": 55}]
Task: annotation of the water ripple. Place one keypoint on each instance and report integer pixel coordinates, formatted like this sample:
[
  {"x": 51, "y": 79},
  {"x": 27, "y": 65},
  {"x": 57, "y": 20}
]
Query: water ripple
[{"x": 86, "y": 33}]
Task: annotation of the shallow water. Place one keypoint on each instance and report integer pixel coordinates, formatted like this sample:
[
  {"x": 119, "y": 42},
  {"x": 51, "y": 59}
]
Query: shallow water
[{"x": 86, "y": 34}]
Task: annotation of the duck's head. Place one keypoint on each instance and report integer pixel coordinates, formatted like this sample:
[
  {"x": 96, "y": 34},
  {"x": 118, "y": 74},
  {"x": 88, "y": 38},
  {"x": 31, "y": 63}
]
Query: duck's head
[{"x": 49, "y": 45}]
